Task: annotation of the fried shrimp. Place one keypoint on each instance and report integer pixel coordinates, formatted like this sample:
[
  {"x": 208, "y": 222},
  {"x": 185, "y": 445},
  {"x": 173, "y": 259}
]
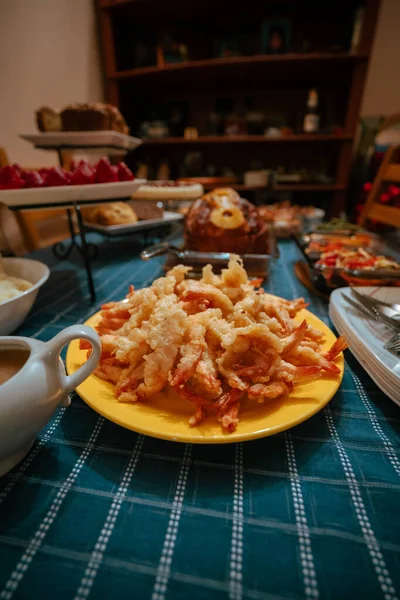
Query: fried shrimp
[
  {"x": 165, "y": 335},
  {"x": 215, "y": 342},
  {"x": 233, "y": 281},
  {"x": 260, "y": 392},
  {"x": 179, "y": 272},
  {"x": 190, "y": 352},
  {"x": 204, "y": 292}
]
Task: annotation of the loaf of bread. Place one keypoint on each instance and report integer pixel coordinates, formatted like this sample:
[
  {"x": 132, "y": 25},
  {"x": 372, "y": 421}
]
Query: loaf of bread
[
  {"x": 82, "y": 117},
  {"x": 48, "y": 119},
  {"x": 114, "y": 213},
  {"x": 221, "y": 221},
  {"x": 93, "y": 117}
]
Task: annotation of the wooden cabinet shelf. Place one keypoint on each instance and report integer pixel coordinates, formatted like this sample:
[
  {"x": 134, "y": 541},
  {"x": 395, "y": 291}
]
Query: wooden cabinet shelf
[
  {"x": 249, "y": 139},
  {"x": 145, "y": 32},
  {"x": 309, "y": 187},
  {"x": 295, "y": 187},
  {"x": 316, "y": 58}
]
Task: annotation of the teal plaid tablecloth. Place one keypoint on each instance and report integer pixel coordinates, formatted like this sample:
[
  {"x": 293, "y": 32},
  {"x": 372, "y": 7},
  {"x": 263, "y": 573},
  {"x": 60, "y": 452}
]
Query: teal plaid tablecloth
[{"x": 98, "y": 511}]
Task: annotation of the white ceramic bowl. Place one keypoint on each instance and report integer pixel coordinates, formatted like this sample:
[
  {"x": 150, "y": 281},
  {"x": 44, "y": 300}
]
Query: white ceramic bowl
[{"x": 13, "y": 312}]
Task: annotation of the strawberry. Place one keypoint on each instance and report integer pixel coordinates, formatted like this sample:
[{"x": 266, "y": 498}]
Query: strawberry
[
  {"x": 18, "y": 168},
  {"x": 33, "y": 179},
  {"x": 56, "y": 176},
  {"x": 10, "y": 179},
  {"x": 105, "y": 172},
  {"x": 124, "y": 172},
  {"x": 43, "y": 171},
  {"x": 83, "y": 174},
  {"x": 75, "y": 164}
]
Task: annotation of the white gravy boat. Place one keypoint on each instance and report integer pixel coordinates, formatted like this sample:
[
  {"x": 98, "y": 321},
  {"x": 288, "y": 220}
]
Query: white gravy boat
[{"x": 29, "y": 398}]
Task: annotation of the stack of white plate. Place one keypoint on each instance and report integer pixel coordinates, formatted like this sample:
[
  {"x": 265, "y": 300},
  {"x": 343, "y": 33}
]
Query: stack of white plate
[{"x": 367, "y": 337}]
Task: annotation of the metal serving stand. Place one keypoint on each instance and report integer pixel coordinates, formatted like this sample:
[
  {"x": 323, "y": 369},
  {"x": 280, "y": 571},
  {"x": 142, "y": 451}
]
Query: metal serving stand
[{"x": 63, "y": 249}]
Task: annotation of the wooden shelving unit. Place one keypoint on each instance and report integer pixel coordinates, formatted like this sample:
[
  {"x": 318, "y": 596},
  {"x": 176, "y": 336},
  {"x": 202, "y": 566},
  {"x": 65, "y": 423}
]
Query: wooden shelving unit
[
  {"x": 294, "y": 187},
  {"x": 249, "y": 139},
  {"x": 339, "y": 75},
  {"x": 315, "y": 58}
]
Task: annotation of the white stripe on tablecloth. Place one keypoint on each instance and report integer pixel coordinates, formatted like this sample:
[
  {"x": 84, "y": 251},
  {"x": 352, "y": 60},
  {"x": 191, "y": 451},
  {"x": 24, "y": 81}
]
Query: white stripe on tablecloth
[
  {"x": 38, "y": 538},
  {"x": 164, "y": 567},
  {"x": 75, "y": 304},
  {"x": 236, "y": 563},
  {"x": 385, "y": 581},
  {"x": 54, "y": 320},
  {"x": 97, "y": 555},
  {"x": 300, "y": 438},
  {"x": 394, "y": 459},
  {"x": 306, "y": 555},
  {"x": 29, "y": 459},
  {"x": 130, "y": 566},
  {"x": 290, "y": 280},
  {"x": 59, "y": 296},
  {"x": 52, "y": 291}
]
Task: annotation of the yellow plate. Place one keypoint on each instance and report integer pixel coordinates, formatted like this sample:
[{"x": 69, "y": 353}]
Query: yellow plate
[{"x": 166, "y": 415}]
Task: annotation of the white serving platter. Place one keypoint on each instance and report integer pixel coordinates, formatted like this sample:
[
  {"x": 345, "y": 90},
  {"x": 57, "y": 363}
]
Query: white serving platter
[
  {"x": 69, "y": 194},
  {"x": 111, "y": 140},
  {"x": 168, "y": 218},
  {"x": 367, "y": 337}
]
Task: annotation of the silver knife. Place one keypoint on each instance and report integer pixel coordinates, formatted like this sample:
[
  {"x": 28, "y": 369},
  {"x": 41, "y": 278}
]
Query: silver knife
[
  {"x": 370, "y": 303},
  {"x": 382, "y": 306},
  {"x": 365, "y": 310}
]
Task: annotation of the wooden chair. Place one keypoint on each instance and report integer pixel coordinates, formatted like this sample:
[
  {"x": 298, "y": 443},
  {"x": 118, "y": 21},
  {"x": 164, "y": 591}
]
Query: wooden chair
[
  {"x": 43, "y": 227},
  {"x": 3, "y": 158},
  {"x": 389, "y": 172}
]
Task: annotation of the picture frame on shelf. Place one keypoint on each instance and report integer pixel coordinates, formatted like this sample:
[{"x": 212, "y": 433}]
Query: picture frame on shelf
[{"x": 276, "y": 36}]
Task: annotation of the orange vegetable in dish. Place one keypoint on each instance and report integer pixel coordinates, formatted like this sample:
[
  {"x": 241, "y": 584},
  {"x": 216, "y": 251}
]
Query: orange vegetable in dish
[{"x": 354, "y": 260}]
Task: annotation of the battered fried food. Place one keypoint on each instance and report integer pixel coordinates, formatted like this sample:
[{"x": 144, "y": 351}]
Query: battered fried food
[{"x": 214, "y": 341}]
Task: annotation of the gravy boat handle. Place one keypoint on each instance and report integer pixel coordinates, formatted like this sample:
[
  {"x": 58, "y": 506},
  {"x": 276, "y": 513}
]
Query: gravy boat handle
[{"x": 76, "y": 332}]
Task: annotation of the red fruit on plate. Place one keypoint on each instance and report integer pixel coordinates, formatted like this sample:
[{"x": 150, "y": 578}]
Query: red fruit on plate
[
  {"x": 75, "y": 164},
  {"x": 18, "y": 168},
  {"x": 33, "y": 179},
  {"x": 124, "y": 172},
  {"x": 56, "y": 176},
  {"x": 105, "y": 172},
  {"x": 10, "y": 179},
  {"x": 83, "y": 174}
]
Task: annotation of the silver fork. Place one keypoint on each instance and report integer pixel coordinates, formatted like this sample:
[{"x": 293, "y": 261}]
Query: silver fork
[{"x": 394, "y": 343}]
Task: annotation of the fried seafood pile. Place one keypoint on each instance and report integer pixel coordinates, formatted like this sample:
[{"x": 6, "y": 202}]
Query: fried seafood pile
[{"x": 213, "y": 341}]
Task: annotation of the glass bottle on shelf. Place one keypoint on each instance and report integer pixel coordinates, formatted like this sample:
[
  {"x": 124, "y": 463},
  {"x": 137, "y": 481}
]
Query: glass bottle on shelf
[{"x": 311, "y": 116}]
